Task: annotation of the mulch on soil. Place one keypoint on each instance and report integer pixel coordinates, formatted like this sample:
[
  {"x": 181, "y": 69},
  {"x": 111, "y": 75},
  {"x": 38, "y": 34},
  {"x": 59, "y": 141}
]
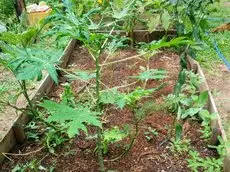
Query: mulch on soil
[{"x": 145, "y": 156}]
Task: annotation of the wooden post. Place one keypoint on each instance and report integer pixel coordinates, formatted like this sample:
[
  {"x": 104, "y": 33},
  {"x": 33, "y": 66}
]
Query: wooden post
[
  {"x": 20, "y": 6},
  {"x": 19, "y": 133}
]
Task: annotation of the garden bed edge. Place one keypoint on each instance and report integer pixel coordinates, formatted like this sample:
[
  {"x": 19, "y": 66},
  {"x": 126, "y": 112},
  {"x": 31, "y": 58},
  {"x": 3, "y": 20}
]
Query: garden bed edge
[{"x": 16, "y": 132}]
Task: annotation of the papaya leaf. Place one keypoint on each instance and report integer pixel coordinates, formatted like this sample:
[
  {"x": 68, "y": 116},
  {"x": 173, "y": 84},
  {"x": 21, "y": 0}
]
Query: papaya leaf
[
  {"x": 190, "y": 112},
  {"x": 120, "y": 12},
  {"x": 108, "y": 97},
  {"x": 113, "y": 97},
  {"x": 71, "y": 119},
  {"x": 114, "y": 135},
  {"x": 152, "y": 74},
  {"x": 153, "y": 22},
  {"x": 172, "y": 43},
  {"x": 28, "y": 64},
  {"x": 19, "y": 39},
  {"x": 165, "y": 19}
]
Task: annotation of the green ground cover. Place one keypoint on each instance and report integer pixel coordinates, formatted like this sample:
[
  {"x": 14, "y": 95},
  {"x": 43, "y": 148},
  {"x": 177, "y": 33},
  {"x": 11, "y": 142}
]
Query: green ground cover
[{"x": 208, "y": 57}]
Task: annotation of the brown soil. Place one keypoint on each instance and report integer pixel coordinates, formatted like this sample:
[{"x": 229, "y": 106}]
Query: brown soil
[
  {"x": 219, "y": 85},
  {"x": 145, "y": 156}
]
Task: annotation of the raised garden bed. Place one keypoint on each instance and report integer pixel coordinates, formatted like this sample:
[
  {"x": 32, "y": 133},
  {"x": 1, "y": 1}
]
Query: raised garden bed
[{"x": 151, "y": 152}]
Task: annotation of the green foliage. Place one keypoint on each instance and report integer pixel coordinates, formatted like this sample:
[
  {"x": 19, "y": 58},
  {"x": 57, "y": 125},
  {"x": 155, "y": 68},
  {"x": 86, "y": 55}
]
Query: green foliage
[
  {"x": 83, "y": 6},
  {"x": 153, "y": 46},
  {"x": 122, "y": 99},
  {"x": 166, "y": 20},
  {"x": 3, "y": 89},
  {"x": 187, "y": 106},
  {"x": 206, "y": 118},
  {"x": 154, "y": 20},
  {"x": 53, "y": 139},
  {"x": 2, "y": 27},
  {"x": 157, "y": 15},
  {"x": 67, "y": 97},
  {"x": 111, "y": 136},
  {"x": 33, "y": 165},
  {"x": 20, "y": 39},
  {"x": 178, "y": 132},
  {"x": 28, "y": 64},
  {"x": 190, "y": 16},
  {"x": 207, "y": 57},
  {"x": 71, "y": 119},
  {"x": 180, "y": 146},
  {"x": 137, "y": 13},
  {"x": 188, "y": 102},
  {"x": 77, "y": 24},
  {"x": 71, "y": 24},
  {"x": 123, "y": 9},
  {"x": 197, "y": 163},
  {"x": 149, "y": 107},
  {"x": 7, "y": 9},
  {"x": 116, "y": 43},
  {"x": 222, "y": 147},
  {"x": 32, "y": 131},
  {"x": 192, "y": 83},
  {"x": 152, "y": 74},
  {"x": 3, "y": 92},
  {"x": 180, "y": 82},
  {"x": 150, "y": 134},
  {"x": 136, "y": 95},
  {"x": 110, "y": 97}
]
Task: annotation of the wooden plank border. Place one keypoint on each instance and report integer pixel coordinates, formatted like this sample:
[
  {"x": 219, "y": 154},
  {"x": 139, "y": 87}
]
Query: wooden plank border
[
  {"x": 217, "y": 126},
  {"x": 16, "y": 133},
  {"x": 143, "y": 35}
]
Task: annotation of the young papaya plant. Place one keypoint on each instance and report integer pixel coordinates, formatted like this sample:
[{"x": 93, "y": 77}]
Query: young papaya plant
[
  {"x": 27, "y": 64},
  {"x": 84, "y": 29}
]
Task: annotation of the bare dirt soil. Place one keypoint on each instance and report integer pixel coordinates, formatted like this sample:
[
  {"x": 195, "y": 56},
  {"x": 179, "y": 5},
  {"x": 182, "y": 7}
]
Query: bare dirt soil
[
  {"x": 220, "y": 87},
  {"x": 145, "y": 156}
]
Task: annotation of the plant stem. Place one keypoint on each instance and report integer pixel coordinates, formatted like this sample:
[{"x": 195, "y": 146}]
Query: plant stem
[
  {"x": 125, "y": 59},
  {"x": 130, "y": 145},
  {"x": 98, "y": 109},
  {"x": 148, "y": 61},
  {"x": 32, "y": 107}
]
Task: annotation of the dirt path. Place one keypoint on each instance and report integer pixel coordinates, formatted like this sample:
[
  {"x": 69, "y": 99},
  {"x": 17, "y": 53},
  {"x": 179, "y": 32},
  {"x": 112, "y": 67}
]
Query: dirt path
[{"x": 220, "y": 87}]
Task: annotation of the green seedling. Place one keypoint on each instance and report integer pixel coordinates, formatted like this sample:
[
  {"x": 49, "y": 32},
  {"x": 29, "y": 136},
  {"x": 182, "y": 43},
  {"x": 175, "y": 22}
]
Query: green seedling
[
  {"x": 150, "y": 134},
  {"x": 180, "y": 146}
]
